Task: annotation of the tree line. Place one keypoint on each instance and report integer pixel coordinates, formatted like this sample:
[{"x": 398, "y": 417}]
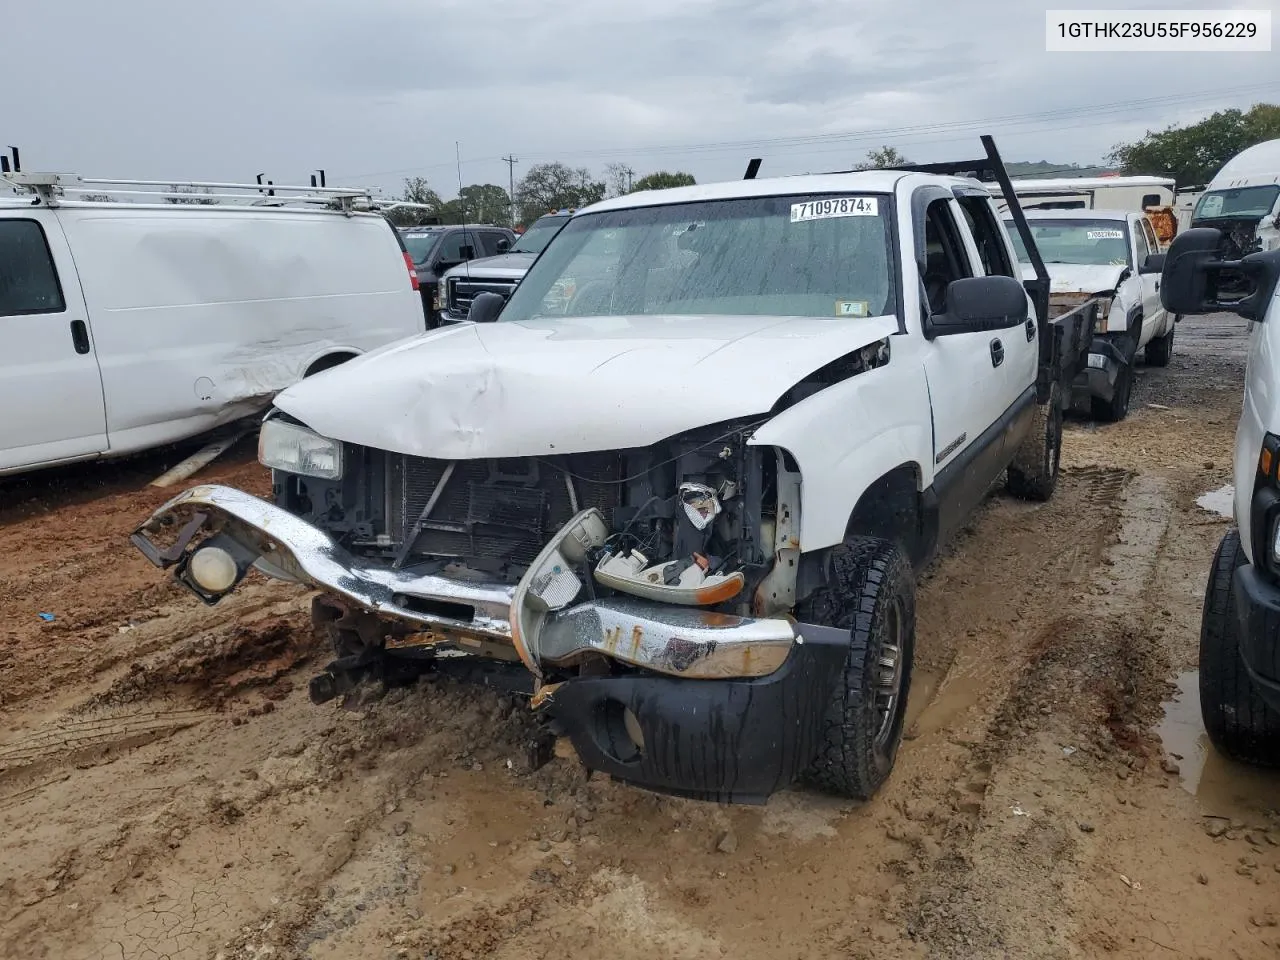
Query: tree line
[{"x": 546, "y": 187}]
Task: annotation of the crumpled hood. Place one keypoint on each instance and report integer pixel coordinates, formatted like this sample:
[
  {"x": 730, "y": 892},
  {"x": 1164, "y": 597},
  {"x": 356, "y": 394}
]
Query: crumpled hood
[
  {"x": 1083, "y": 277},
  {"x": 568, "y": 385}
]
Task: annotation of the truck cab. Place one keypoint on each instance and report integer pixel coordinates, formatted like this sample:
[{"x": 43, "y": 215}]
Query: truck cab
[
  {"x": 1240, "y": 624},
  {"x": 495, "y": 274}
]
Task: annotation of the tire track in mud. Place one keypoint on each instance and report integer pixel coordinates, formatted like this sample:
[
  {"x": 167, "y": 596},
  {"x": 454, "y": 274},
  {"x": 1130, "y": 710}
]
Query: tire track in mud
[{"x": 1085, "y": 697}]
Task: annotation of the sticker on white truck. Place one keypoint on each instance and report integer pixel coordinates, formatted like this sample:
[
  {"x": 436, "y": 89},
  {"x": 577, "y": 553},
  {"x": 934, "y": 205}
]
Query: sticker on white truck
[
  {"x": 1105, "y": 234},
  {"x": 834, "y": 207}
]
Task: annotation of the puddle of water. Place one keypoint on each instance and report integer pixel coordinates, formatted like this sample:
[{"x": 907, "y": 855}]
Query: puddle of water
[
  {"x": 1220, "y": 501},
  {"x": 1221, "y": 786}
]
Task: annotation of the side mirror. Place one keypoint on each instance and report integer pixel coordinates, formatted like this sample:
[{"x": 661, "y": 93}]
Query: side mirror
[
  {"x": 975, "y": 304},
  {"x": 1193, "y": 277},
  {"x": 468, "y": 252},
  {"x": 486, "y": 307},
  {"x": 504, "y": 245},
  {"x": 1153, "y": 264}
]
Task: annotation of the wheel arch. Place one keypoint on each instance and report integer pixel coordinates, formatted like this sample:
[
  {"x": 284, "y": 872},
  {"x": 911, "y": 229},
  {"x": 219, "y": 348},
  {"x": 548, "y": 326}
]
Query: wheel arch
[{"x": 329, "y": 360}]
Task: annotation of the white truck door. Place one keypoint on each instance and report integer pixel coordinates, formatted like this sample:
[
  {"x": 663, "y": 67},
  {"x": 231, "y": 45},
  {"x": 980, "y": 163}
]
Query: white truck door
[
  {"x": 50, "y": 385},
  {"x": 1158, "y": 311},
  {"x": 1021, "y": 345},
  {"x": 964, "y": 377},
  {"x": 1147, "y": 283}
]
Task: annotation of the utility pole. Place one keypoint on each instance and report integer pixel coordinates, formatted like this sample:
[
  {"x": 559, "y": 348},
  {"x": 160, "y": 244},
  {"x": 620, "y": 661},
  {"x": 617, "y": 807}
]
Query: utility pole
[
  {"x": 630, "y": 173},
  {"x": 511, "y": 162}
]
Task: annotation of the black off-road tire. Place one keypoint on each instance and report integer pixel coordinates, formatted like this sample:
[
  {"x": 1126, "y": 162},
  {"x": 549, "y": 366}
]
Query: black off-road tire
[
  {"x": 1160, "y": 350},
  {"x": 871, "y": 594},
  {"x": 1033, "y": 474},
  {"x": 1238, "y": 722}
]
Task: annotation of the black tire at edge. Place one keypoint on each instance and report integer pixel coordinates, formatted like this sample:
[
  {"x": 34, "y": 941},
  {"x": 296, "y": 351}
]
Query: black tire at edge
[
  {"x": 867, "y": 574},
  {"x": 1159, "y": 351},
  {"x": 1240, "y": 725},
  {"x": 1033, "y": 473}
]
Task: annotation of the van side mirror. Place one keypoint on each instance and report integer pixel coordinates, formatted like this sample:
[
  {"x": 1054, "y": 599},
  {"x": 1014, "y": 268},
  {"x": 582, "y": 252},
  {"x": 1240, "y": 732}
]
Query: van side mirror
[
  {"x": 504, "y": 245},
  {"x": 485, "y": 307},
  {"x": 467, "y": 252},
  {"x": 1153, "y": 264},
  {"x": 1193, "y": 273},
  {"x": 975, "y": 304}
]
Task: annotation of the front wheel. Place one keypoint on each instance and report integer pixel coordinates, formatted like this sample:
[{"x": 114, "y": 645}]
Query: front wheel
[
  {"x": 1237, "y": 720},
  {"x": 871, "y": 593}
]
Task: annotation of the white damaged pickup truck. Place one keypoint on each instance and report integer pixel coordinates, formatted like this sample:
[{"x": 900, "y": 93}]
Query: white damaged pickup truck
[{"x": 681, "y": 509}]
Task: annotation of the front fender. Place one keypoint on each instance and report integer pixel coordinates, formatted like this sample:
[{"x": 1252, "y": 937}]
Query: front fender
[{"x": 847, "y": 437}]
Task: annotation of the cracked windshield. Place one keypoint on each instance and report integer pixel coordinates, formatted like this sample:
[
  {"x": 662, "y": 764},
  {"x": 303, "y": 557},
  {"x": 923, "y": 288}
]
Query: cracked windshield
[{"x": 806, "y": 256}]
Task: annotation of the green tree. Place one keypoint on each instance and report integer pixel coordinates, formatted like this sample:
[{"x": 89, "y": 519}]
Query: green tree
[
  {"x": 550, "y": 186},
  {"x": 662, "y": 180},
  {"x": 884, "y": 158},
  {"x": 1193, "y": 154},
  {"x": 416, "y": 190},
  {"x": 485, "y": 203}
]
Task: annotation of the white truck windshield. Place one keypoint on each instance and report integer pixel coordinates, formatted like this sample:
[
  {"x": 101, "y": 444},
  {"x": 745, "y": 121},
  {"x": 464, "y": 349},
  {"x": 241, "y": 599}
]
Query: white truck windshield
[
  {"x": 1098, "y": 242},
  {"x": 812, "y": 256},
  {"x": 1250, "y": 202}
]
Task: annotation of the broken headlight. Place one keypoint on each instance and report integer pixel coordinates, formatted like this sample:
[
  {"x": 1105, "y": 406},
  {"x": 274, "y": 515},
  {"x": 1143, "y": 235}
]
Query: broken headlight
[{"x": 295, "y": 449}]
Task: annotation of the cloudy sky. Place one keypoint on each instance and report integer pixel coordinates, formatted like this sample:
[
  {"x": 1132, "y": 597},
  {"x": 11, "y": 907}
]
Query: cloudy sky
[{"x": 381, "y": 89}]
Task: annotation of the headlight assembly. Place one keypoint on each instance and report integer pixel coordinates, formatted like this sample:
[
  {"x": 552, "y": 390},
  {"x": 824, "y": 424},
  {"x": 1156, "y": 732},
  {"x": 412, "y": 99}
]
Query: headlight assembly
[{"x": 295, "y": 449}]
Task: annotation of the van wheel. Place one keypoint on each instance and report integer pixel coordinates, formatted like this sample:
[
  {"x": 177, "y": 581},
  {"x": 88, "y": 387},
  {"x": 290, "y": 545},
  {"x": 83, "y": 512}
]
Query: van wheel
[
  {"x": 1237, "y": 720},
  {"x": 1160, "y": 350},
  {"x": 1033, "y": 474},
  {"x": 871, "y": 593}
]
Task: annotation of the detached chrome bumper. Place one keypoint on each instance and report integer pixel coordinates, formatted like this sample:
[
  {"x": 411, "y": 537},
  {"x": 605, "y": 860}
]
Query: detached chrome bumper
[{"x": 679, "y": 641}]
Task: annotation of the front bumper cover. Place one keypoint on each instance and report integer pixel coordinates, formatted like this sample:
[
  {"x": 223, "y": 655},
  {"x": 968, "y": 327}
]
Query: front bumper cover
[
  {"x": 1258, "y": 613},
  {"x": 1099, "y": 378},
  {"x": 681, "y": 642}
]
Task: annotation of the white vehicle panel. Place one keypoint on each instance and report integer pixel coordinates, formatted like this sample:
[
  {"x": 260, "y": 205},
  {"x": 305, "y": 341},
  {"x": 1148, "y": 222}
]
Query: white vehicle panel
[
  {"x": 569, "y": 385},
  {"x": 196, "y": 316},
  {"x": 50, "y": 392}
]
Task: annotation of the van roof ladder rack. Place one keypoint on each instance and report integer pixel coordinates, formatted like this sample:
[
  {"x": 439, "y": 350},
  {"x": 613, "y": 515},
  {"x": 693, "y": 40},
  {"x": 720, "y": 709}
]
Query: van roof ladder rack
[{"x": 55, "y": 188}]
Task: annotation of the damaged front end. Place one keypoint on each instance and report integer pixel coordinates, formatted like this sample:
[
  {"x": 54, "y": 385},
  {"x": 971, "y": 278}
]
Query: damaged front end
[{"x": 642, "y": 597}]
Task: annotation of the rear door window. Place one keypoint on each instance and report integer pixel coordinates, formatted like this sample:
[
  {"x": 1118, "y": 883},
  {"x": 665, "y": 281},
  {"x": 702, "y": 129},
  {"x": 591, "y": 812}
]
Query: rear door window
[
  {"x": 492, "y": 239},
  {"x": 28, "y": 278}
]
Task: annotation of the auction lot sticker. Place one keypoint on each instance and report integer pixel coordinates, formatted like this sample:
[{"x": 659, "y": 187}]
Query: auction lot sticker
[{"x": 834, "y": 207}]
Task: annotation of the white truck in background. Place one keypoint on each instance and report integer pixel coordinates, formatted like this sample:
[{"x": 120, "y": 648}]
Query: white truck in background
[
  {"x": 1243, "y": 202},
  {"x": 1113, "y": 256},
  {"x": 151, "y": 312}
]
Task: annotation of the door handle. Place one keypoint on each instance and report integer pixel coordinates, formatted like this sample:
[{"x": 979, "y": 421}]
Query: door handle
[
  {"x": 80, "y": 336},
  {"x": 997, "y": 353},
  {"x": 1031, "y": 329}
]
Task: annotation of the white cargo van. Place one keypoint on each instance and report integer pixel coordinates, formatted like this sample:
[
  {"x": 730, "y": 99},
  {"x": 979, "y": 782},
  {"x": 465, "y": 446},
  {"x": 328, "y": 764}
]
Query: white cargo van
[
  {"x": 1243, "y": 202},
  {"x": 126, "y": 325}
]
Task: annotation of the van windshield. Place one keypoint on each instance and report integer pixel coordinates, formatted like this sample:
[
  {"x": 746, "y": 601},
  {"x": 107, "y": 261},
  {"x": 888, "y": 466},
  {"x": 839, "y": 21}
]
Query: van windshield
[
  {"x": 1251, "y": 202},
  {"x": 1094, "y": 242},
  {"x": 810, "y": 256}
]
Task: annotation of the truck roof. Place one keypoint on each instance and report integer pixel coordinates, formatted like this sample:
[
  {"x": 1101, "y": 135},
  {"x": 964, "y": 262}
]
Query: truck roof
[
  {"x": 868, "y": 181},
  {"x": 1084, "y": 213},
  {"x": 1258, "y": 164}
]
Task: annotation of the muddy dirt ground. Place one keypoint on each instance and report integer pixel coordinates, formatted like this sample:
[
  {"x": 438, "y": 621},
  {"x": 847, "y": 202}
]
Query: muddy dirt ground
[{"x": 168, "y": 791}]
